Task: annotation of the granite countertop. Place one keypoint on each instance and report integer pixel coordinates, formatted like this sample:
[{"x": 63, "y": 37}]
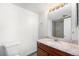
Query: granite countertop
[{"x": 61, "y": 45}]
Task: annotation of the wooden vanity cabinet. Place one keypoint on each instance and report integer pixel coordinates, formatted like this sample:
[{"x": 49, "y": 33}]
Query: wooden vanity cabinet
[{"x": 44, "y": 50}]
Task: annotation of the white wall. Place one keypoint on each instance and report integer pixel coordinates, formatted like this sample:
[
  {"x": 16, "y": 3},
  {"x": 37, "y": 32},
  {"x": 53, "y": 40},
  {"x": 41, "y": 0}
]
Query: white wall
[
  {"x": 41, "y": 25},
  {"x": 43, "y": 30},
  {"x": 74, "y": 23},
  {"x": 18, "y": 29},
  {"x": 78, "y": 26}
]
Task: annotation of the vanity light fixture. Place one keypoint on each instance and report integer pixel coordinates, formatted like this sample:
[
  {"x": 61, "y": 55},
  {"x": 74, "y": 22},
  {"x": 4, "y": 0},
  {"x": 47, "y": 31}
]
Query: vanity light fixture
[{"x": 53, "y": 8}]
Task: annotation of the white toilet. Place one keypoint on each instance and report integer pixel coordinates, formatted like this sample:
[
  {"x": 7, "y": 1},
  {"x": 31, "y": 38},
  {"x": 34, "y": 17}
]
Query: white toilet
[{"x": 3, "y": 51}]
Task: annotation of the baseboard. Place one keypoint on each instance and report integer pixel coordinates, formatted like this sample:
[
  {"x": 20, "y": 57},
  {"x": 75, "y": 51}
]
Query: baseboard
[{"x": 32, "y": 53}]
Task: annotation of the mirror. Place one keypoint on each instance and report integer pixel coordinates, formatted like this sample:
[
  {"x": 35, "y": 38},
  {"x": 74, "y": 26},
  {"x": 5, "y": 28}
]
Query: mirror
[
  {"x": 62, "y": 28},
  {"x": 61, "y": 25}
]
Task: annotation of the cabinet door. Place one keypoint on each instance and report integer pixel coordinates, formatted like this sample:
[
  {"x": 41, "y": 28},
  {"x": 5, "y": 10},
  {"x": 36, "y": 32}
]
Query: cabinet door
[
  {"x": 40, "y": 52},
  {"x": 45, "y": 50}
]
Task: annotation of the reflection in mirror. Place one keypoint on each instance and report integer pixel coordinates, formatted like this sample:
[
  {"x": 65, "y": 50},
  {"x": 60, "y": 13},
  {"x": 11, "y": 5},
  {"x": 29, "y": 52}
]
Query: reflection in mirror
[
  {"x": 67, "y": 28},
  {"x": 58, "y": 28},
  {"x": 62, "y": 28}
]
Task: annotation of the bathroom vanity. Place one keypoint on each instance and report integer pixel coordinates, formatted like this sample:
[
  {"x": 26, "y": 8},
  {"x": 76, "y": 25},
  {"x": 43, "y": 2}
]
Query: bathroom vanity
[
  {"x": 48, "y": 47},
  {"x": 44, "y": 50}
]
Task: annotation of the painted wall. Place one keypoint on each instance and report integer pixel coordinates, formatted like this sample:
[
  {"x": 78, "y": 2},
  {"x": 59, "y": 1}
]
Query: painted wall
[
  {"x": 41, "y": 25},
  {"x": 74, "y": 24},
  {"x": 18, "y": 29},
  {"x": 43, "y": 30},
  {"x": 78, "y": 26}
]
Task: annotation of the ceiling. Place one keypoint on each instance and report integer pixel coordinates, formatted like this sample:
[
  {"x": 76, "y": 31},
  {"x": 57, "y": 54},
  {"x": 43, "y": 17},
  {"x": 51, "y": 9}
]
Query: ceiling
[
  {"x": 42, "y": 7},
  {"x": 35, "y": 7}
]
